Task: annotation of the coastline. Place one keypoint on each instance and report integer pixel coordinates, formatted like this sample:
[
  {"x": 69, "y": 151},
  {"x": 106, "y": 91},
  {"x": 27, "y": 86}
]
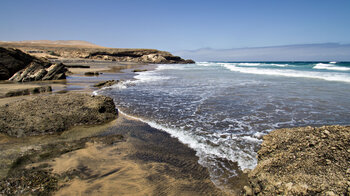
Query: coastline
[
  {"x": 130, "y": 155},
  {"x": 140, "y": 161}
]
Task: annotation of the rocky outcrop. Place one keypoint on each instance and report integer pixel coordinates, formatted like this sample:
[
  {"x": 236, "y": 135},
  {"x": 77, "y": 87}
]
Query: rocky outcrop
[
  {"x": 11, "y": 61},
  {"x": 28, "y": 91},
  {"x": 20, "y": 67},
  {"x": 36, "y": 71},
  {"x": 140, "y": 56},
  {"x": 139, "y": 70},
  {"x": 90, "y": 73},
  {"x": 303, "y": 161},
  {"x": 153, "y": 58},
  {"x": 106, "y": 83},
  {"x": 54, "y": 113}
]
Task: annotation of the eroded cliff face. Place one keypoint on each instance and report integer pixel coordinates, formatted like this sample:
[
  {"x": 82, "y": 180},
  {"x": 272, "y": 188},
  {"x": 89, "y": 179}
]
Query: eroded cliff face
[
  {"x": 303, "y": 161},
  {"x": 113, "y": 54}
]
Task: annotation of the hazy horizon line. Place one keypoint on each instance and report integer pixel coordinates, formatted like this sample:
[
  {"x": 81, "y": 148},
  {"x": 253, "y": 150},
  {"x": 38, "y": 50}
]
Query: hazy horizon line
[
  {"x": 330, "y": 51},
  {"x": 269, "y": 46}
]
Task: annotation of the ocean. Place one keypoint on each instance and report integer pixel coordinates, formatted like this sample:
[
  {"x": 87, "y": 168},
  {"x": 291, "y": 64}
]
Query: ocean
[{"x": 222, "y": 109}]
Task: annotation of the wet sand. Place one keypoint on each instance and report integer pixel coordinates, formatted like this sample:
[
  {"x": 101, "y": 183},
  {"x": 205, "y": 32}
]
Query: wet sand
[
  {"x": 148, "y": 162},
  {"x": 145, "y": 161}
]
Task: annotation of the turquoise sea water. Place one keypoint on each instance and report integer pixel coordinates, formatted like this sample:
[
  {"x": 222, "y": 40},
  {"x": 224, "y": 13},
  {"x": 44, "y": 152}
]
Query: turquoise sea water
[{"x": 222, "y": 109}]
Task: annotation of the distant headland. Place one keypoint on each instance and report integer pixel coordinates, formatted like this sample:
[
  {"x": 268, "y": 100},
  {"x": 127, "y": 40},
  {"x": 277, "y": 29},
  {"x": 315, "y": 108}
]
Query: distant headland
[{"x": 82, "y": 49}]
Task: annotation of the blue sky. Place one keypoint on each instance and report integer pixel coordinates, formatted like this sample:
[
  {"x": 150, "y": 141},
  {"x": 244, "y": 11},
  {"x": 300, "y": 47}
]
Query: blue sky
[
  {"x": 178, "y": 25},
  {"x": 302, "y": 52}
]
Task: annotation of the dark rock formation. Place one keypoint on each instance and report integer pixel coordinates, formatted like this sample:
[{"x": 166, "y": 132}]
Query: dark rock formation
[
  {"x": 54, "y": 113},
  {"x": 189, "y": 61},
  {"x": 28, "y": 91},
  {"x": 89, "y": 73},
  {"x": 77, "y": 66},
  {"x": 303, "y": 161},
  {"x": 106, "y": 83},
  {"x": 36, "y": 71},
  {"x": 139, "y": 70},
  {"x": 11, "y": 61},
  {"x": 20, "y": 67}
]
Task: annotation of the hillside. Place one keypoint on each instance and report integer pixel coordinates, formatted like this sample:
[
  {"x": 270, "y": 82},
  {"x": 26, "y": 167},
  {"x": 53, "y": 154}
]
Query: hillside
[{"x": 86, "y": 50}]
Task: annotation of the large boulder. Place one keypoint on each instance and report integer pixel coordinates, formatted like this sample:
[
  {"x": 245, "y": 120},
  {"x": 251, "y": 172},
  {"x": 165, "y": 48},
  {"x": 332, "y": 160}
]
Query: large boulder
[
  {"x": 54, "y": 113},
  {"x": 11, "y": 61},
  {"x": 303, "y": 161}
]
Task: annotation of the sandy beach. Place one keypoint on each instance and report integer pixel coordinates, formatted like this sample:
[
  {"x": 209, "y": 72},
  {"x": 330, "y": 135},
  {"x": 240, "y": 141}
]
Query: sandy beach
[{"x": 162, "y": 130}]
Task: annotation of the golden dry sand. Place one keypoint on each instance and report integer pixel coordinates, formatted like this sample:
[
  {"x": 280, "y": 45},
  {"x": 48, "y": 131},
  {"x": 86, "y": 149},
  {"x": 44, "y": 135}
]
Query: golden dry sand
[{"x": 109, "y": 172}]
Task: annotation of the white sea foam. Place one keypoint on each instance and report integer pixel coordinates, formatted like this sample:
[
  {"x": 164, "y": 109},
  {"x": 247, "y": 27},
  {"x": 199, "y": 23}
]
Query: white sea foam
[
  {"x": 141, "y": 77},
  {"x": 245, "y": 64},
  {"x": 248, "y": 64},
  {"x": 224, "y": 148},
  {"x": 340, "y": 77},
  {"x": 224, "y": 116},
  {"x": 149, "y": 76},
  {"x": 259, "y": 135},
  {"x": 96, "y": 92},
  {"x": 330, "y": 67},
  {"x": 279, "y": 65},
  {"x": 260, "y": 64},
  {"x": 252, "y": 139},
  {"x": 119, "y": 85},
  {"x": 206, "y": 63},
  {"x": 171, "y": 67}
]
